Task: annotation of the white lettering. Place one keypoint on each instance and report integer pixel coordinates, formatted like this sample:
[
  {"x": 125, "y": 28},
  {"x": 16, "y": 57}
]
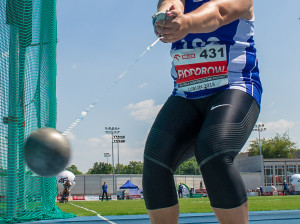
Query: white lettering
[
  {"x": 184, "y": 44},
  {"x": 180, "y": 74},
  {"x": 220, "y": 69},
  {"x": 192, "y": 71},
  {"x": 196, "y": 41},
  {"x": 187, "y": 73},
  {"x": 212, "y": 40},
  {"x": 212, "y": 69},
  {"x": 198, "y": 71},
  {"x": 188, "y": 56}
]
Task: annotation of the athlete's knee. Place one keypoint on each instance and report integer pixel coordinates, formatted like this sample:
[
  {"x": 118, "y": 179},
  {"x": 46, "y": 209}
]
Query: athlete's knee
[
  {"x": 159, "y": 148},
  {"x": 158, "y": 186},
  {"x": 159, "y": 163},
  {"x": 223, "y": 182}
]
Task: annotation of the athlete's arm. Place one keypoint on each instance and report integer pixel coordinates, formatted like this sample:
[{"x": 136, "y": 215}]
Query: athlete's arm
[{"x": 207, "y": 18}]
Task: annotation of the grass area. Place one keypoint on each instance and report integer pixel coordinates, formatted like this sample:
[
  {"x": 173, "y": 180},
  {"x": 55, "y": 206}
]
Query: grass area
[
  {"x": 120, "y": 207},
  {"x": 187, "y": 205},
  {"x": 270, "y": 203}
]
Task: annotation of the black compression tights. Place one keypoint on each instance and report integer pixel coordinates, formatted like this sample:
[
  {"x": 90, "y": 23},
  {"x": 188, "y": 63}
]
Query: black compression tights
[{"x": 214, "y": 129}]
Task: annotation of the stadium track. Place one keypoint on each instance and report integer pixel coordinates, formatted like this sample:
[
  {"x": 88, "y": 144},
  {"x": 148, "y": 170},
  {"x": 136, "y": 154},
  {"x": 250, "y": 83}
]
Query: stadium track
[{"x": 259, "y": 217}]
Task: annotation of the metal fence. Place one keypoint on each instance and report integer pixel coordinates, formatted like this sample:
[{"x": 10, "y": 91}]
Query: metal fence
[{"x": 92, "y": 184}]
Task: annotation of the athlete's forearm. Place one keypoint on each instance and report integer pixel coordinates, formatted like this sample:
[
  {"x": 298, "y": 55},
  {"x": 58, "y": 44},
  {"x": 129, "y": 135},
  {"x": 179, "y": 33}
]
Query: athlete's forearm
[
  {"x": 164, "y": 5},
  {"x": 216, "y": 13}
]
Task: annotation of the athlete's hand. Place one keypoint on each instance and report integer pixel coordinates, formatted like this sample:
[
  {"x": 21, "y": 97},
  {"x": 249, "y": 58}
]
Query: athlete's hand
[{"x": 174, "y": 28}]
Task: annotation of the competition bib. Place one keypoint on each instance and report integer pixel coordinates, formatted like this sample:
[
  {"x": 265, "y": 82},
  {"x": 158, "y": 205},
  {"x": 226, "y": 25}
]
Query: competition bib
[{"x": 200, "y": 68}]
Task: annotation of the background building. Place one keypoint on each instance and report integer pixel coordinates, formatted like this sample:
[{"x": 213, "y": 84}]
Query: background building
[{"x": 275, "y": 170}]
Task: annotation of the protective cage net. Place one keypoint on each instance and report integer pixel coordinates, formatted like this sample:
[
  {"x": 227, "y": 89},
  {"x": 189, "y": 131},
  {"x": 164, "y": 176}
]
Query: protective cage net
[{"x": 28, "y": 38}]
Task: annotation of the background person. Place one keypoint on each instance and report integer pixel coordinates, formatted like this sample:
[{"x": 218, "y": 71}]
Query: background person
[
  {"x": 191, "y": 192},
  {"x": 180, "y": 188},
  {"x": 66, "y": 192},
  {"x": 67, "y": 184},
  {"x": 123, "y": 194},
  {"x": 65, "y": 196},
  {"x": 104, "y": 191},
  {"x": 285, "y": 188},
  {"x": 201, "y": 187},
  {"x": 213, "y": 107},
  {"x": 261, "y": 190}
]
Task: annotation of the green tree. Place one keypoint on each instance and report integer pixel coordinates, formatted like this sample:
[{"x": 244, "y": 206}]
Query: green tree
[
  {"x": 100, "y": 168},
  {"x": 133, "y": 167},
  {"x": 74, "y": 169},
  {"x": 121, "y": 168},
  {"x": 278, "y": 147},
  {"x": 188, "y": 168}
]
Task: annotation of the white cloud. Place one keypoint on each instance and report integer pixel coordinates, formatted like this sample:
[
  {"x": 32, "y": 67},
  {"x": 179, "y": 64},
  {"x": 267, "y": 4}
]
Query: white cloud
[
  {"x": 279, "y": 126},
  {"x": 145, "y": 110},
  {"x": 71, "y": 137},
  {"x": 129, "y": 154},
  {"x": 74, "y": 66},
  {"x": 143, "y": 85},
  {"x": 96, "y": 143}
]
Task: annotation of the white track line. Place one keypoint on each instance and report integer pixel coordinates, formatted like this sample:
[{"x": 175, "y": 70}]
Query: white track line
[{"x": 101, "y": 217}]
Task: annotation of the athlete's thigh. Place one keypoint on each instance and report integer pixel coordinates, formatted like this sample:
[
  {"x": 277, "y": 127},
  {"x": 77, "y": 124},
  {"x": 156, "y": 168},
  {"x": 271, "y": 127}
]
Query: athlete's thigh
[
  {"x": 228, "y": 123},
  {"x": 173, "y": 132}
]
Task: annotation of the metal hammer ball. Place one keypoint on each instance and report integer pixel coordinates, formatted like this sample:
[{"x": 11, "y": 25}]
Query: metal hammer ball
[{"x": 47, "y": 152}]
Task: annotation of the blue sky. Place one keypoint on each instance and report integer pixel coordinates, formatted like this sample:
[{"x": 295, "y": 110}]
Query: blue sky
[{"x": 98, "y": 40}]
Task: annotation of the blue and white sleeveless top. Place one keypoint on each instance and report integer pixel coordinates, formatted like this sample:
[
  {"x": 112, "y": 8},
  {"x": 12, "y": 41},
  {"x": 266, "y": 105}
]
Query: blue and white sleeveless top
[{"x": 206, "y": 63}]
